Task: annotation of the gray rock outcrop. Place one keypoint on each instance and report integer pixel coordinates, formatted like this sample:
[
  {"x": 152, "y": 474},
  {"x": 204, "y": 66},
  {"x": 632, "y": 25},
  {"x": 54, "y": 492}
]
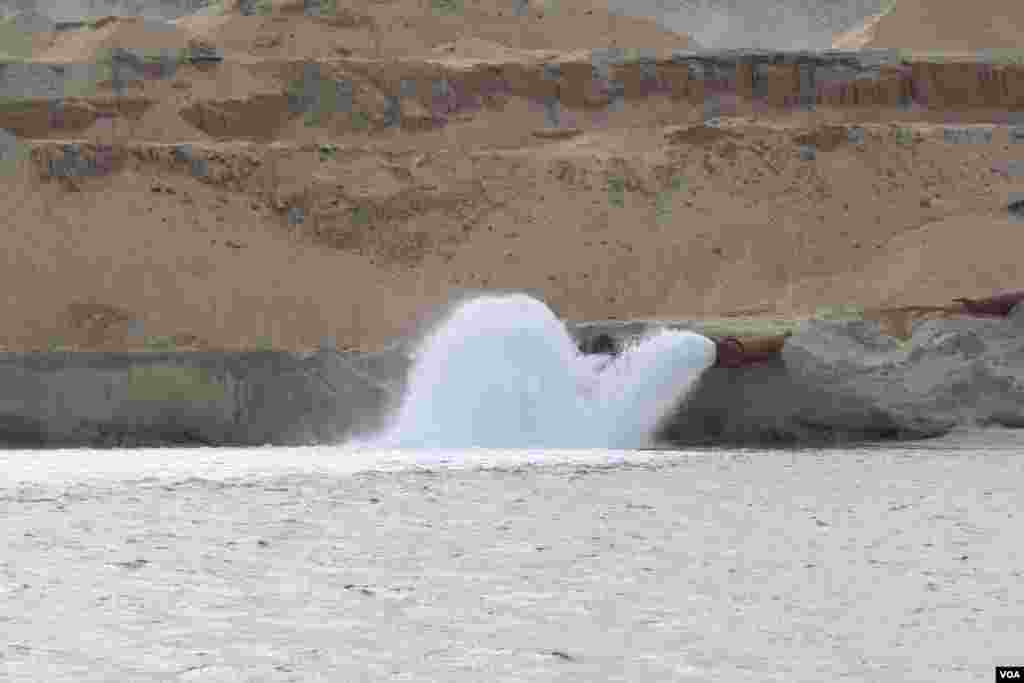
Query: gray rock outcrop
[{"x": 841, "y": 381}]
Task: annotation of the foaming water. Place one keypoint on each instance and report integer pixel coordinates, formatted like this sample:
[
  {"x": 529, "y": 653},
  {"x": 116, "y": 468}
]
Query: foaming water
[
  {"x": 104, "y": 467},
  {"x": 504, "y": 372}
]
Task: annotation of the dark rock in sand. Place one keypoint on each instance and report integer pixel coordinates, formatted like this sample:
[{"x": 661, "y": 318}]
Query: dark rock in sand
[{"x": 599, "y": 343}]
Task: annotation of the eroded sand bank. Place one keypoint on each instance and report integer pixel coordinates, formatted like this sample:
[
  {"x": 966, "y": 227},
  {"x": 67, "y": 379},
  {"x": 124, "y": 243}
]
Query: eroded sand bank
[{"x": 307, "y": 178}]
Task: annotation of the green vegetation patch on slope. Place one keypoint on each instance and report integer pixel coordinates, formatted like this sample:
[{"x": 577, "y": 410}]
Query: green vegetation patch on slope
[{"x": 173, "y": 383}]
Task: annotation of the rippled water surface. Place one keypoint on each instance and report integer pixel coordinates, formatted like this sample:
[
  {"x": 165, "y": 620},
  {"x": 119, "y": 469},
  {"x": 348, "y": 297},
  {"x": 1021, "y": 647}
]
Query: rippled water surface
[{"x": 325, "y": 564}]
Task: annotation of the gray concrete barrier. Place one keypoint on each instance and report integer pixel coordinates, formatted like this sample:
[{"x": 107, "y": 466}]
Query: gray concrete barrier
[
  {"x": 246, "y": 398},
  {"x": 834, "y": 381}
]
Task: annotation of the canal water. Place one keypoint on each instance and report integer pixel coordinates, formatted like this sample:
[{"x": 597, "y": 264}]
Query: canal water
[
  {"x": 878, "y": 563},
  {"x": 468, "y": 542}
]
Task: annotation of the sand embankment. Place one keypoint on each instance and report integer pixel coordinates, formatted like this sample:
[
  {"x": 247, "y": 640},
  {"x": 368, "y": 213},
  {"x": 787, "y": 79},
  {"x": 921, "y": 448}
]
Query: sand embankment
[{"x": 288, "y": 180}]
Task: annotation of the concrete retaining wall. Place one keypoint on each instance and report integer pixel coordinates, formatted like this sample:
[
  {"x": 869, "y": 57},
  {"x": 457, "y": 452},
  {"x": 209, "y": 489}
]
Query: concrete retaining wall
[
  {"x": 250, "y": 398},
  {"x": 834, "y": 381}
]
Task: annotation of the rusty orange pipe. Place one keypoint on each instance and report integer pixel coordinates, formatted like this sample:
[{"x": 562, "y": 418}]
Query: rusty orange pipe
[{"x": 731, "y": 352}]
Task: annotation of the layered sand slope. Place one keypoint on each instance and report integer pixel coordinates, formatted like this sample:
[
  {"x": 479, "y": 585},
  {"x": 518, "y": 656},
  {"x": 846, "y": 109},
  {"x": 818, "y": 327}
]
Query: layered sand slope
[{"x": 284, "y": 179}]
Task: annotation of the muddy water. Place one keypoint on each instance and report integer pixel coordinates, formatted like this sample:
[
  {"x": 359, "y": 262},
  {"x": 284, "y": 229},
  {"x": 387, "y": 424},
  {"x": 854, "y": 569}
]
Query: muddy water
[{"x": 874, "y": 564}]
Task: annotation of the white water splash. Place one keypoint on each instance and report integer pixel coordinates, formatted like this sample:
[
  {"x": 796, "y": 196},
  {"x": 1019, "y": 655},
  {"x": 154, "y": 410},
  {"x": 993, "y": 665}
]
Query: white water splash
[{"x": 504, "y": 372}]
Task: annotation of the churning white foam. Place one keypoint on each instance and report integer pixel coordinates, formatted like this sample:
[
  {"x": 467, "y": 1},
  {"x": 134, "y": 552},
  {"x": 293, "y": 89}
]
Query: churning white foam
[{"x": 504, "y": 372}]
